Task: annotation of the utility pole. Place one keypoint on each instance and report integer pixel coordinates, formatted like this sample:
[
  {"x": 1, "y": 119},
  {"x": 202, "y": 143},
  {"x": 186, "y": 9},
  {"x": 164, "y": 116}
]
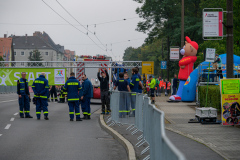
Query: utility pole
[
  {"x": 182, "y": 24},
  {"x": 162, "y": 59},
  {"x": 229, "y": 38},
  {"x": 168, "y": 57}
]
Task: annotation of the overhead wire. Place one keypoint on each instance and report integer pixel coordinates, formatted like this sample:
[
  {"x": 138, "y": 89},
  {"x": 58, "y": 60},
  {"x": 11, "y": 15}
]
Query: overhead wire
[
  {"x": 72, "y": 25},
  {"x": 82, "y": 25}
]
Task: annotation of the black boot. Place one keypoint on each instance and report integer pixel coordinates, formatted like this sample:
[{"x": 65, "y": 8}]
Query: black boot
[
  {"x": 71, "y": 119},
  {"x": 29, "y": 116},
  {"x": 88, "y": 117},
  {"x": 46, "y": 118},
  {"x": 79, "y": 119},
  {"x": 84, "y": 116}
]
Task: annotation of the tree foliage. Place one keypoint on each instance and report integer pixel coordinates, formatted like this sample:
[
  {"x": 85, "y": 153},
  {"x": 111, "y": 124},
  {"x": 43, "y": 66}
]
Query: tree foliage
[
  {"x": 162, "y": 19},
  {"x": 35, "y": 56}
]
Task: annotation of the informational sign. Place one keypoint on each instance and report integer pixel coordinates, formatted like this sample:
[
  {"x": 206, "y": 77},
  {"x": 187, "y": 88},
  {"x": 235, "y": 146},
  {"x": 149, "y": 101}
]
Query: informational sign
[
  {"x": 210, "y": 54},
  {"x": 147, "y": 67},
  {"x": 212, "y": 24},
  {"x": 230, "y": 101},
  {"x": 174, "y": 53},
  {"x": 9, "y": 76},
  {"x": 163, "y": 64}
]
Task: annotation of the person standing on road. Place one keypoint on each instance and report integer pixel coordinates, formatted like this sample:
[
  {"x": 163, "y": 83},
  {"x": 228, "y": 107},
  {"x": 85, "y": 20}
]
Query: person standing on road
[
  {"x": 175, "y": 82},
  {"x": 158, "y": 88},
  {"x": 134, "y": 85},
  {"x": 23, "y": 96},
  {"x": 53, "y": 91},
  {"x": 104, "y": 87},
  {"x": 123, "y": 85},
  {"x": 86, "y": 94},
  {"x": 72, "y": 86},
  {"x": 152, "y": 88},
  {"x": 41, "y": 90}
]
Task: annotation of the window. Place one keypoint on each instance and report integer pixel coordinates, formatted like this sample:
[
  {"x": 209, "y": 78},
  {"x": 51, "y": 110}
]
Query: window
[
  {"x": 15, "y": 53},
  {"x": 22, "y": 53},
  {"x": 22, "y": 63},
  {"x": 46, "y": 53}
]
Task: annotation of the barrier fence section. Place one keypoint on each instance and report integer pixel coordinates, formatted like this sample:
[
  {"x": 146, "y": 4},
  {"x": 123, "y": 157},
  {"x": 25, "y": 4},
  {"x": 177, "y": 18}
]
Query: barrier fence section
[
  {"x": 8, "y": 89},
  {"x": 136, "y": 110}
]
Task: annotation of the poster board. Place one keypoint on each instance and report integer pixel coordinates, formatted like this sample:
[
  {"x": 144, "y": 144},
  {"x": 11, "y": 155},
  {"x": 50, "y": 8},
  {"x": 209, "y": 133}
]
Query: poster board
[
  {"x": 148, "y": 67},
  {"x": 230, "y": 101}
]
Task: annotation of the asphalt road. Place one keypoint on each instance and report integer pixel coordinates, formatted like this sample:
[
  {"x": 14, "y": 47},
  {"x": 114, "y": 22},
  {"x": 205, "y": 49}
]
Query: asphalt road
[{"x": 57, "y": 138}]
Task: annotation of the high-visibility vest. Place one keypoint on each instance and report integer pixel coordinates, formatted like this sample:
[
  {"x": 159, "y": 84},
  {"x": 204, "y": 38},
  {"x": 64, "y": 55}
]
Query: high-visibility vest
[
  {"x": 161, "y": 84},
  {"x": 164, "y": 85},
  {"x": 168, "y": 85}
]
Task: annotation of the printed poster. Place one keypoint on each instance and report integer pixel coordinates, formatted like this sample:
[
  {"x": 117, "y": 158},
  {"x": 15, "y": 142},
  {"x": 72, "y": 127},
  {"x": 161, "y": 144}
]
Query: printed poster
[
  {"x": 59, "y": 76},
  {"x": 230, "y": 100}
]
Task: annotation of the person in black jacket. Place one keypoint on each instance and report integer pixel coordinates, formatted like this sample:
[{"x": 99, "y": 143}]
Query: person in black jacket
[
  {"x": 175, "y": 84},
  {"x": 104, "y": 87}
]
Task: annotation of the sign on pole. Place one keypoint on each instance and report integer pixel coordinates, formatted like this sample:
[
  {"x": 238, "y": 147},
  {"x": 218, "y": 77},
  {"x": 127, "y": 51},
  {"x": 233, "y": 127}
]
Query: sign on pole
[
  {"x": 174, "y": 53},
  {"x": 147, "y": 67},
  {"x": 210, "y": 54},
  {"x": 212, "y": 24},
  {"x": 230, "y": 100},
  {"x": 163, "y": 64}
]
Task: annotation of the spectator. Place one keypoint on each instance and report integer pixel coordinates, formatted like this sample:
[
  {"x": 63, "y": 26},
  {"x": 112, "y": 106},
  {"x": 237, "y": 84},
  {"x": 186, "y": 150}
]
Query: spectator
[
  {"x": 157, "y": 86},
  {"x": 152, "y": 88},
  {"x": 175, "y": 84}
]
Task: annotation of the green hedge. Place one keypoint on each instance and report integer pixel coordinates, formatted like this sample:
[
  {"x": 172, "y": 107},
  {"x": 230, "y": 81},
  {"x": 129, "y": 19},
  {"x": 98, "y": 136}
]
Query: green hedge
[{"x": 214, "y": 97}]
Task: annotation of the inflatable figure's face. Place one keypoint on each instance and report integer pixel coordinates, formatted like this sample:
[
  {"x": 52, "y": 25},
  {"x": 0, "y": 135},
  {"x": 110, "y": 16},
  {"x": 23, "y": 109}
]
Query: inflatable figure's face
[{"x": 189, "y": 50}]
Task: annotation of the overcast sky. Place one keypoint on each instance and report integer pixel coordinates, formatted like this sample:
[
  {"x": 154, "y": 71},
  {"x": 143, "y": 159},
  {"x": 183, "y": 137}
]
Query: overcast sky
[{"x": 87, "y": 12}]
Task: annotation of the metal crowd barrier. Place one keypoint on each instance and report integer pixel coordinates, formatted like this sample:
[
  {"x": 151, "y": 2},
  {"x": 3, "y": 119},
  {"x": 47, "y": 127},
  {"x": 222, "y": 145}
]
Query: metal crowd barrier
[
  {"x": 8, "y": 89},
  {"x": 145, "y": 118}
]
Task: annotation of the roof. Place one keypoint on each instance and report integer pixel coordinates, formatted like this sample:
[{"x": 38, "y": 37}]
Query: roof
[
  {"x": 29, "y": 42},
  {"x": 5, "y": 45}
]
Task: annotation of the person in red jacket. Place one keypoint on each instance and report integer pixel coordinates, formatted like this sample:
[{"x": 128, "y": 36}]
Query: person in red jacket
[{"x": 189, "y": 52}]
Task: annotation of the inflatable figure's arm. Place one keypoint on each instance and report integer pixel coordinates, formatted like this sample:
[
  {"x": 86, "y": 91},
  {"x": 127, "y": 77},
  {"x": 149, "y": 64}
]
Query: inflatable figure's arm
[{"x": 185, "y": 61}]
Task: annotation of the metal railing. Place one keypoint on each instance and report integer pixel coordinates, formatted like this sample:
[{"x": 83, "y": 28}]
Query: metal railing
[
  {"x": 146, "y": 118},
  {"x": 70, "y": 64},
  {"x": 8, "y": 89}
]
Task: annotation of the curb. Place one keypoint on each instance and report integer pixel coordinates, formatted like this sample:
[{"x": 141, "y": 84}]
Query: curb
[
  {"x": 126, "y": 144},
  {"x": 209, "y": 145}
]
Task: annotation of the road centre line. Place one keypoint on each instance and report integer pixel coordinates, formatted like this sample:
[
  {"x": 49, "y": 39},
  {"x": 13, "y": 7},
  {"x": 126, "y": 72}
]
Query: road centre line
[
  {"x": 8, "y": 101},
  {"x": 12, "y": 119},
  {"x": 15, "y": 114},
  {"x": 8, "y": 126}
]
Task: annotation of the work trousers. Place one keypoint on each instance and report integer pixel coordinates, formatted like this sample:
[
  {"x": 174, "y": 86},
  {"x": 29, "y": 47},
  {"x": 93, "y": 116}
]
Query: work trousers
[
  {"x": 41, "y": 104},
  {"x": 55, "y": 95},
  {"x": 74, "y": 105},
  {"x": 124, "y": 104},
  {"x": 105, "y": 101},
  {"x": 158, "y": 92},
  {"x": 85, "y": 103},
  {"x": 24, "y": 105},
  {"x": 133, "y": 102}
]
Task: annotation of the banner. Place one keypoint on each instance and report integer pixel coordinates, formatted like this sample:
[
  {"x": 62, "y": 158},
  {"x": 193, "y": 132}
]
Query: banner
[
  {"x": 212, "y": 24},
  {"x": 230, "y": 100},
  {"x": 9, "y": 77}
]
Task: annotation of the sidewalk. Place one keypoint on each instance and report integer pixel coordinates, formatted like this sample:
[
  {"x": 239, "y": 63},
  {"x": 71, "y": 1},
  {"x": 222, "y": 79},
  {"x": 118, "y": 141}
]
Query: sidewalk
[{"x": 222, "y": 139}]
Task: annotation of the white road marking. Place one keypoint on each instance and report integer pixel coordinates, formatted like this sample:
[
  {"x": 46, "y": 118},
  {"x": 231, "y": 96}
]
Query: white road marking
[
  {"x": 8, "y": 126},
  {"x": 0, "y": 135},
  {"x": 8, "y": 101},
  {"x": 12, "y": 119},
  {"x": 16, "y": 114}
]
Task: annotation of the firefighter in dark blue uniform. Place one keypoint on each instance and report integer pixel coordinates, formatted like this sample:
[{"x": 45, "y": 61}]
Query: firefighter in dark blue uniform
[
  {"x": 86, "y": 94},
  {"x": 24, "y": 96},
  {"x": 72, "y": 87},
  {"x": 41, "y": 90},
  {"x": 135, "y": 84},
  {"x": 123, "y": 85}
]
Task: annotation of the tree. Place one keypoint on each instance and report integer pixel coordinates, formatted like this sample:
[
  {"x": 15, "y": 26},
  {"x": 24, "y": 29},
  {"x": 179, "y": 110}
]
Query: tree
[{"x": 35, "y": 56}]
